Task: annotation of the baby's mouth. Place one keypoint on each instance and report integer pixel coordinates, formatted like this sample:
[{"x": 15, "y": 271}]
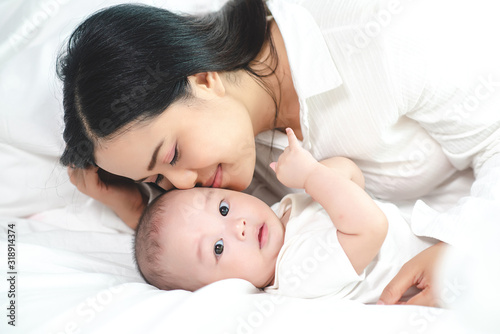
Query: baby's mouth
[{"x": 262, "y": 236}]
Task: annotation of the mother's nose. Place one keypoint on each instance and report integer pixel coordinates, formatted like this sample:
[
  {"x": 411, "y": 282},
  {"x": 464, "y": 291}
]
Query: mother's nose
[{"x": 182, "y": 178}]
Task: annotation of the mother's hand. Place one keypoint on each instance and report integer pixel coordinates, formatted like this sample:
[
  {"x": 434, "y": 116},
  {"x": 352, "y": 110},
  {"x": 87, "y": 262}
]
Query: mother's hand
[
  {"x": 418, "y": 272},
  {"x": 120, "y": 194}
]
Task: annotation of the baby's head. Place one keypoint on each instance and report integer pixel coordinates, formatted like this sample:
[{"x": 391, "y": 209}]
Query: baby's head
[{"x": 187, "y": 239}]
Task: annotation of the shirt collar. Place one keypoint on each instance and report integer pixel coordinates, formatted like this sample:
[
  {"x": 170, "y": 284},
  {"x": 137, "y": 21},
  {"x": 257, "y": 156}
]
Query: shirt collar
[{"x": 312, "y": 67}]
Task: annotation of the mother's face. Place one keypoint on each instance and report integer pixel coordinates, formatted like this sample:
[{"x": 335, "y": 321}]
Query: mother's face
[{"x": 206, "y": 142}]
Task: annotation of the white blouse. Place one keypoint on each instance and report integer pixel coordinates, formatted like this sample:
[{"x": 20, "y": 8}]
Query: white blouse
[{"x": 379, "y": 83}]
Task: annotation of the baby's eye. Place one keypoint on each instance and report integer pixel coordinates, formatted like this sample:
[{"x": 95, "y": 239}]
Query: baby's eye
[
  {"x": 219, "y": 248},
  {"x": 223, "y": 208}
]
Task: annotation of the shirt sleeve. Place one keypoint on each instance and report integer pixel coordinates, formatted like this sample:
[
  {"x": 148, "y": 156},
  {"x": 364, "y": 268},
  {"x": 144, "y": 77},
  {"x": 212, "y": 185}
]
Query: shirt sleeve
[{"x": 451, "y": 87}]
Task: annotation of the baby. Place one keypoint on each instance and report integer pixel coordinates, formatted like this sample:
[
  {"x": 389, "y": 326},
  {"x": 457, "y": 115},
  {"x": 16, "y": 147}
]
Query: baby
[{"x": 190, "y": 238}]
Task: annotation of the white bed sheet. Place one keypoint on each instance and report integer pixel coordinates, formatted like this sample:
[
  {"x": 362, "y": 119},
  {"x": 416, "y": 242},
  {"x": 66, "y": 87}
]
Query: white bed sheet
[{"x": 74, "y": 263}]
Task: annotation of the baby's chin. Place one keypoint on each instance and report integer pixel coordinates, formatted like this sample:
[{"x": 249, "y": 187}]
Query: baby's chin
[{"x": 264, "y": 282}]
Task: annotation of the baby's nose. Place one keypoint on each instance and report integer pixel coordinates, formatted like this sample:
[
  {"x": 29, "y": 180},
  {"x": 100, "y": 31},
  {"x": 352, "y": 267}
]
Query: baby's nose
[{"x": 240, "y": 229}]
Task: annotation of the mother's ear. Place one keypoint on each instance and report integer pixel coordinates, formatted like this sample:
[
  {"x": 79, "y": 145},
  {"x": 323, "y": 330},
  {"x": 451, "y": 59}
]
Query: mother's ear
[{"x": 207, "y": 84}]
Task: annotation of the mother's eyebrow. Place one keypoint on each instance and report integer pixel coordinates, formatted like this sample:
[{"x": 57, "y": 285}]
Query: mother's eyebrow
[{"x": 152, "y": 163}]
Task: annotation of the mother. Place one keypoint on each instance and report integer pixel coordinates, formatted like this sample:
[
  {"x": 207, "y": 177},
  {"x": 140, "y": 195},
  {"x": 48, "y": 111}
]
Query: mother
[{"x": 183, "y": 101}]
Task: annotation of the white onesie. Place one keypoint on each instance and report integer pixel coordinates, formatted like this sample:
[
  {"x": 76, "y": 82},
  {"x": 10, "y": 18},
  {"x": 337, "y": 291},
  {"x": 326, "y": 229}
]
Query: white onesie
[{"x": 312, "y": 263}]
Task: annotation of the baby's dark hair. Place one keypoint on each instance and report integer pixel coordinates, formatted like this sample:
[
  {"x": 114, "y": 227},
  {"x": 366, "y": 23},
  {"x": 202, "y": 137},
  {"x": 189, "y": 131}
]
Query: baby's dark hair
[{"x": 147, "y": 246}]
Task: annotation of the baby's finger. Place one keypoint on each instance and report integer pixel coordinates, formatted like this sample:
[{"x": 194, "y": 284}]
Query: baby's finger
[
  {"x": 273, "y": 166},
  {"x": 292, "y": 139}
]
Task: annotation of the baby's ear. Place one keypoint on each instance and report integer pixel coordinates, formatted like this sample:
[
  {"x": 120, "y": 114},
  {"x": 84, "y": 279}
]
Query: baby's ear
[{"x": 207, "y": 83}]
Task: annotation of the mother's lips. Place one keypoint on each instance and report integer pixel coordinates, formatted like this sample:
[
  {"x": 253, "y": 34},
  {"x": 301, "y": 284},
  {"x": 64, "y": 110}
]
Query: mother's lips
[{"x": 216, "y": 180}]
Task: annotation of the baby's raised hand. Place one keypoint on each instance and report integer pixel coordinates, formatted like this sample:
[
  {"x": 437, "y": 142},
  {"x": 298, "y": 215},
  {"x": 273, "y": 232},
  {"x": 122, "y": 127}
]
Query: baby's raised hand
[{"x": 295, "y": 164}]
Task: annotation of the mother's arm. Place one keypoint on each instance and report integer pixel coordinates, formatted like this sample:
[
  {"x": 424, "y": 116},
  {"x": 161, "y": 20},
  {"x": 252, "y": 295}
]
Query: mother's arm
[{"x": 120, "y": 194}]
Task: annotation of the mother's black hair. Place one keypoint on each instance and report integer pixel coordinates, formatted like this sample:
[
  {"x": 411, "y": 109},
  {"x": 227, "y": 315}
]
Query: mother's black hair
[{"x": 130, "y": 62}]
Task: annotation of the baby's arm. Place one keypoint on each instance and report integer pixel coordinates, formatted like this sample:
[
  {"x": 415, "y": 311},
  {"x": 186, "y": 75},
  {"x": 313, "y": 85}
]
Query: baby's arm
[
  {"x": 336, "y": 184},
  {"x": 347, "y": 168}
]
